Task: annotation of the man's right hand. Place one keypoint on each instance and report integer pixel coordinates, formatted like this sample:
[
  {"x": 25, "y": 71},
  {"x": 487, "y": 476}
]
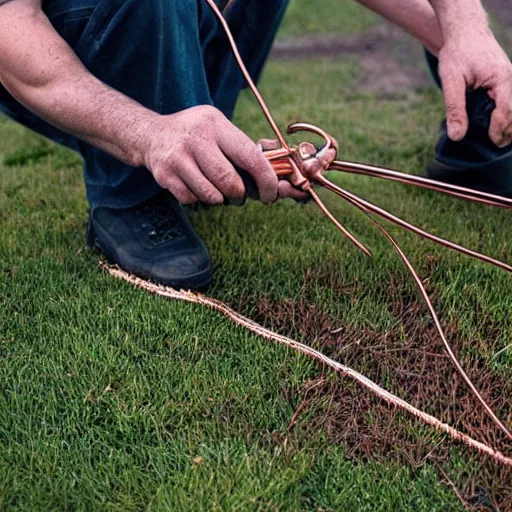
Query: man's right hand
[{"x": 193, "y": 153}]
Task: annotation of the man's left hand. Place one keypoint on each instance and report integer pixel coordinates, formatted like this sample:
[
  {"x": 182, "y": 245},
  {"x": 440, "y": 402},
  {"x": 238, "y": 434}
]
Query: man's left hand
[{"x": 470, "y": 60}]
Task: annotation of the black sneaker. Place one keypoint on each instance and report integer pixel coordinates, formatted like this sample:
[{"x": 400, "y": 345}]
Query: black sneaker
[{"x": 154, "y": 240}]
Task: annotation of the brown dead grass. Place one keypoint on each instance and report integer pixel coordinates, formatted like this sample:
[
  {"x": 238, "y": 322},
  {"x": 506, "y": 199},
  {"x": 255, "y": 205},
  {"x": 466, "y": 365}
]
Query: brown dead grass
[{"x": 410, "y": 361}]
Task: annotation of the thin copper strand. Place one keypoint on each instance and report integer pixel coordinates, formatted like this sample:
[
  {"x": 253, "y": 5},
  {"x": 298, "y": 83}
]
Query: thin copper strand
[
  {"x": 347, "y": 233},
  {"x": 360, "y": 203},
  {"x": 411, "y": 227},
  {"x": 418, "y": 181},
  {"x": 433, "y": 313},
  {"x": 247, "y": 76},
  {"x": 386, "y": 396},
  {"x": 406, "y": 181}
]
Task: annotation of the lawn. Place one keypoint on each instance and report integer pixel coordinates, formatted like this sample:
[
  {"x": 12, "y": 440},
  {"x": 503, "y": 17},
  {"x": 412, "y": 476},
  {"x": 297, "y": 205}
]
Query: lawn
[{"x": 112, "y": 399}]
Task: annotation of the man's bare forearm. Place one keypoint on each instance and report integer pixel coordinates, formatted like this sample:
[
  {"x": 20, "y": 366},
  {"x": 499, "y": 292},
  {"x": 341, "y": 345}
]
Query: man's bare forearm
[
  {"x": 415, "y": 16},
  {"x": 40, "y": 70},
  {"x": 458, "y": 16}
]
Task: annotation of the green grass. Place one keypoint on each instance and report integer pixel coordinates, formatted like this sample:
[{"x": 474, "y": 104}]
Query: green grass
[
  {"x": 113, "y": 399},
  {"x": 326, "y": 17}
]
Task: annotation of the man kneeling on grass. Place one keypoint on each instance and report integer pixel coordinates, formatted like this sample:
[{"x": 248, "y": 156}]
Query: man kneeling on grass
[{"x": 144, "y": 90}]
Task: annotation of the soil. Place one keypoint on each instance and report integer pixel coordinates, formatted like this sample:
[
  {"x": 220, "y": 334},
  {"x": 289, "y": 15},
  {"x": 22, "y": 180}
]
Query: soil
[
  {"x": 390, "y": 61},
  {"x": 410, "y": 361}
]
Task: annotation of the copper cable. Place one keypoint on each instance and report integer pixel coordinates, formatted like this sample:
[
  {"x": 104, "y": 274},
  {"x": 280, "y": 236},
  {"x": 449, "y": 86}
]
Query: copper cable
[
  {"x": 440, "y": 330},
  {"x": 411, "y": 227},
  {"x": 418, "y": 181},
  {"x": 237, "y": 318},
  {"x": 362, "y": 205},
  {"x": 246, "y": 74},
  {"x": 333, "y": 219}
]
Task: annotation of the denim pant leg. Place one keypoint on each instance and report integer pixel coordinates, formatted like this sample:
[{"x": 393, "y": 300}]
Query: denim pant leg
[
  {"x": 433, "y": 66},
  {"x": 254, "y": 24},
  {"x": 168, "y": 55},
  {"x": 149, "y": 50}
]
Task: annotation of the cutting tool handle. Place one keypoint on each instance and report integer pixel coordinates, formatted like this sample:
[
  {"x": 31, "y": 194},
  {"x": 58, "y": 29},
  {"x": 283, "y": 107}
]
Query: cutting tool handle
[{"x": 251, "y": 189}]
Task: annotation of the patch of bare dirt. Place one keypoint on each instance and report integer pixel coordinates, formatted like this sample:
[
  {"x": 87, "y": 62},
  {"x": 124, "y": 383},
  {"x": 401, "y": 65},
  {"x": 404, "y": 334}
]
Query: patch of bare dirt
[
  {"x": 409, "y": 360},
  {"x": 390, "y": 61}
]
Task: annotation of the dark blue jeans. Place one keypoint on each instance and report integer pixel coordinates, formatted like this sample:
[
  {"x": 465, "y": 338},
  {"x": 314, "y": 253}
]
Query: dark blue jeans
[{"x": 168, "y": 55}]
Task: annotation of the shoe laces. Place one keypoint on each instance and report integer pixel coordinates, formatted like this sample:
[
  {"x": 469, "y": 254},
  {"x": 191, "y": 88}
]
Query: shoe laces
[{"x": 160, "y": 223}]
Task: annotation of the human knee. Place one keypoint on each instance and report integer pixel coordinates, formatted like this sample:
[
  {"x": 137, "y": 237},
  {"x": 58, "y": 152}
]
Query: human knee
[{"x": 180, "y": 11}]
